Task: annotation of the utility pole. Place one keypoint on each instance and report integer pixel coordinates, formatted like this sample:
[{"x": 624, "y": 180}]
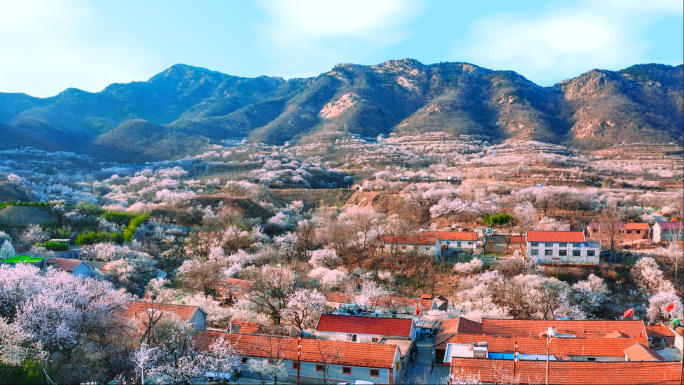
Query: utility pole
[
  {"x": 681, "y": 371},
  {"x": 515, "y": 357},
  {"x": 299, "y": 354},
  {"x": 548, "y": 343}
]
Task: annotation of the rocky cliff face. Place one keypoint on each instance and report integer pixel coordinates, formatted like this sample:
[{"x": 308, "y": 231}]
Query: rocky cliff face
[{"x": 184, "y": 108}]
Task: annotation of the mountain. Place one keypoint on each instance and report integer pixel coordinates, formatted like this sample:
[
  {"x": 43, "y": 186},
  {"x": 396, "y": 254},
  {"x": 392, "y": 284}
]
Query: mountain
[{"x": 183, "y": 109}]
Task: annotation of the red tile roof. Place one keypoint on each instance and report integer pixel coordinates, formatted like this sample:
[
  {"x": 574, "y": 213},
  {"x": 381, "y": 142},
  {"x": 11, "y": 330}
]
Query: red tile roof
[
  {"x": 569, "y": 372},
  {"x": 183, "y": 312},
  {"x": 555, "y": 236},
  {"x": 390, "y": 327},
  {"x": 451, "y": 235},
  {"x": 559, "y": 347},
  {"x": 583, "y": 329},
  {"x": 67, "y": 265},
  {"x": 348, "y": 353},
  {"x": 639, "y": 352},
  {"x": 406, "y": 240}
]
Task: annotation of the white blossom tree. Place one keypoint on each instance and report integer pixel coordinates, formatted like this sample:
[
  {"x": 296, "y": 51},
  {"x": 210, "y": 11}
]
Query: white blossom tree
[
  {"x": 303, "y": 308},
  {"x": 7, "y": 251},
  {"x": 658, "y": 303}
]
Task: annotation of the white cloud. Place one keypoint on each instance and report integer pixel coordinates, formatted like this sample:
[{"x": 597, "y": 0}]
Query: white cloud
[
  {"x": 303, "y": 35},
  {"x": 48, "y": 46},
  {"x": 562, "y": 42}
]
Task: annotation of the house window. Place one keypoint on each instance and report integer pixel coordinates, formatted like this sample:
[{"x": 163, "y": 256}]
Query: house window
[
  {"x": 548, "y": 252},
  {"x": 534, "y": 244},
  {"x": 638, "y": 231},
  {"x": 576, "y": 253},
  {"x": 320, "y": 368},
  {"x": 592, "y": 359},
  {"x": 294, "y": 365},
  {"x": 244, "y": 360},
  {"x": 563, "y": 244},
  {"x": 629, "y": 231},
  {"x": 374, "y": 373},
  {"x": 562, "y": 253},
  {"x": 548, "y": 244},
  {"x": 468, "y": 243},
  {"x": 374, "y": 340},
  {"x": 458, "y": 244},
  {"x": 351, "y": 337},
  {"x": 535, "y": 252},
  {"x": 576, "y": 244},
  {"x": 346, "y": 370},
  {"x": 591, "y": 253}
]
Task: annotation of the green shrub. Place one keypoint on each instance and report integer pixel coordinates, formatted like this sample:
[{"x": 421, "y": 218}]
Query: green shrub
[
  {"x": 496, "y": 219},
  {"x": 92, "y": 238},
  {"x": 118, "y": 217},
  {"x": 129, "y": 231},
  {"x": 55, "y": 246}
]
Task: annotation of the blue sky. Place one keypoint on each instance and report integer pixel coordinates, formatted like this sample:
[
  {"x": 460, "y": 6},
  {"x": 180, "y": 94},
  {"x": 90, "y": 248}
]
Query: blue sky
[{"x": 47, "y": 46}]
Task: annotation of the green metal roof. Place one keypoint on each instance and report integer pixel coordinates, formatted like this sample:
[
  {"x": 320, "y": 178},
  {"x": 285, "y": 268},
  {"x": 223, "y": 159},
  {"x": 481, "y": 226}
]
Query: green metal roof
[{"x": 22, "y": 259}]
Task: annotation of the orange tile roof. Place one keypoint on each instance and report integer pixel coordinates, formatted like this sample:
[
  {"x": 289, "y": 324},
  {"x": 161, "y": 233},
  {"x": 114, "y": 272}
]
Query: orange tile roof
[
  {"x": 348, "y": 353},
  {"x": 451, "y": 235},
  {"x": 339, "y": 297},
  {"x": 619, "y": 226},
  {"x": 559, "y": 347},
  {"x": 390, "y": 327},
  {"x": 659, "y": 331},
  {"x": 183, "y": 312},
  {"x": 639, "y": 352},
  {"x": 570, "y": 372},
  {"x": 584, "y": 329},
  {"x": 235, "y": 286},
  {"x": 453, "y": 326},
  {"x": 64, "y": 264},
  {"x": 245, "y": 327},
  {"x": 407, "y": 240},
  {"x": 616, "y": 334},
  {"x": 555, "y": 236}
]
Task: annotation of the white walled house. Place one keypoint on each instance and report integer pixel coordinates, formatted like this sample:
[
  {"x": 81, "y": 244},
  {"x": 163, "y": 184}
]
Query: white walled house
[
  {"x": 334, "y": 361},
  {"x": 419, "y": 245},
  {"x": 668, "y": 231},
  {"x": 562, "y": 247},
  {"x": 454, "y": 240}
]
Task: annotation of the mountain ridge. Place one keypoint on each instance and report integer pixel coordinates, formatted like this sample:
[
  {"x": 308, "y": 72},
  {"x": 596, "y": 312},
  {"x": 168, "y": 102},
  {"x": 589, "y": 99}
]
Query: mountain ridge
[{"x": 185, "y": 106}]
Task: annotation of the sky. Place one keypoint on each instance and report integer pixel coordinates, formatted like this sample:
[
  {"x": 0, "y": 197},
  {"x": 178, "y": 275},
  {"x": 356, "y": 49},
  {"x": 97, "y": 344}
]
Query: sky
[{"x": 47, "y": 46}]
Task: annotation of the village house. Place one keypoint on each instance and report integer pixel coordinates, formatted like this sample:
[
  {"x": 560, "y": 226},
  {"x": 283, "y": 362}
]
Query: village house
[
  {"x": 418, "y": 245},
  {"x": 668, "y": 231},
  {"x": 397, "y": 305},
  {"x": 570, "y": 340},
  {"x": 562, "y": 247},
  {"x": 618, "y": 232},
  {"x": 505, "y": 244},
  {"x": 454, "y": 240},
  {"x": 193, "y": 315},
  {"x": 365, "y": 329},
  {"x": 73, "y": 266},
  {"x": 320, "y": 360}
]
